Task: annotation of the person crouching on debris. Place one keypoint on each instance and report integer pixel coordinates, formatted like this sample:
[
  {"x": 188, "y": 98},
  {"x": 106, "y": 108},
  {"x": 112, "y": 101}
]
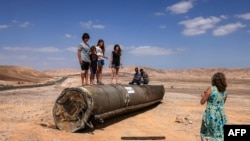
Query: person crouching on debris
[
  {"x": 136, "y": 78},
  {"x": 144, "y": 76},
  {"x": 93, "y": 64}
]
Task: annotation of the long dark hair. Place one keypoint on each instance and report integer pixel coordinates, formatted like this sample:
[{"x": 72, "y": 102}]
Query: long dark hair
[
  {"x": 219, "y": 80},
  {"x": 102, "y": 47},
  {"x": 120, "y": 50}
]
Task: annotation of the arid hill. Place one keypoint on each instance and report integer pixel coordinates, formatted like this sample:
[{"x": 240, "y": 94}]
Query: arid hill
[
  {"x": 20, "y": 75},
  {"x": 11, "y": 75},
  {"x": 242, "y": 73}
]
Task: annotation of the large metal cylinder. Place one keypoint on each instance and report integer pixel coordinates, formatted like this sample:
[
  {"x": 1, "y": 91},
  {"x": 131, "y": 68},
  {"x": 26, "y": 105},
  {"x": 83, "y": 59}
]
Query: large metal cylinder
[{"x": 76, "y": 107}]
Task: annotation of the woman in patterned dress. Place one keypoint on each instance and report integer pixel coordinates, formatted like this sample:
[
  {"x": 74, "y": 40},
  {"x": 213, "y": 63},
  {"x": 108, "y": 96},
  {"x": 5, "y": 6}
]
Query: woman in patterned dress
[{"x": 214, "y": 117}]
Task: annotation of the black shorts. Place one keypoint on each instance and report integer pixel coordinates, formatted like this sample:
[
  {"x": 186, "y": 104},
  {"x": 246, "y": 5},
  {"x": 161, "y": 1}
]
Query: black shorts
[
  {"x": 116, "y": 66},
  {"x": 85, "y": 66}
]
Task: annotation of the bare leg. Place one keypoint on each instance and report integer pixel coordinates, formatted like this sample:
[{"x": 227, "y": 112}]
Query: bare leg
[
  {"x": 86, "y": 76},
  {"x": 82, "y": 77},
  {"x": 99, "y": 74},
  {"x": 112, "y": 74},
  {"x": 91, "y": 79},
  {"x": 97, "y": 78},
  {"x": 116, "y": 75}
]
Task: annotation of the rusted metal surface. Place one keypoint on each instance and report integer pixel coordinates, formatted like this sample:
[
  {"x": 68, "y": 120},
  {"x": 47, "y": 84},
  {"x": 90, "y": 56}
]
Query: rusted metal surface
[{"x": 76, "y": 107}]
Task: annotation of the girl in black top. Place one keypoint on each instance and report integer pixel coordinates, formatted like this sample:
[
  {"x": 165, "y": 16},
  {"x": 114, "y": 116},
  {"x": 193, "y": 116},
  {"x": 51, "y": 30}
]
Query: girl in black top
[{"x": 115, "y": 63}]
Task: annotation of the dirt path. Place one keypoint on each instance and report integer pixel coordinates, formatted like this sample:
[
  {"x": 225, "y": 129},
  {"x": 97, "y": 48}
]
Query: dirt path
[{"x": 26, "y": 115}]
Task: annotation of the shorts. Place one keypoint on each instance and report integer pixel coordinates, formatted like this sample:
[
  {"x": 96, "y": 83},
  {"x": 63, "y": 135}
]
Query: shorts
[
  {"x": 100, "y": 62},
  {"x": 85, "y": 66},
  {"x": 115, "y": 66}
]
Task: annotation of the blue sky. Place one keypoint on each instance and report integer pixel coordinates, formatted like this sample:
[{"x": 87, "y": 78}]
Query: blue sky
[{"x": 162, "y": 34}]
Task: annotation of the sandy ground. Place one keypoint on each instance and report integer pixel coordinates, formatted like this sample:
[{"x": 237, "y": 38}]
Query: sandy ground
[{"x": 26, "y": 114}]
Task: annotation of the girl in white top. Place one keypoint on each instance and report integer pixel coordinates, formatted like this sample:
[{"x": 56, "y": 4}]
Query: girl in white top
[{"x": 100, "y": 50}]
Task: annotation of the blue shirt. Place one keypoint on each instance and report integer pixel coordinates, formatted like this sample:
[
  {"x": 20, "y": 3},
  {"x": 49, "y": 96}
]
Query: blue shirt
[{"x": 137, "y": 76}]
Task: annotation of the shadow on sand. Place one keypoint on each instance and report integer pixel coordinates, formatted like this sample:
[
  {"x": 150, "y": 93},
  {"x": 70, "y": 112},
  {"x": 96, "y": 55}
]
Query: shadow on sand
[{"x": 113, "y": 120}]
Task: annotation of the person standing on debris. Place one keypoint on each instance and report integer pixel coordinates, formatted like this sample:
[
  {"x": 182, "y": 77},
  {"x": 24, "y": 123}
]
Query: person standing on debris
[
  {"x": 93, "y": 64},
  {"x": 83, "y": 57},
  {"x": 214, "y": 117},
  {"x": 100, "y": 49},
  {"x": 136, "y": 78},
  {"x": 144, "y": 76},
  {"x": 115, "y": 63}
]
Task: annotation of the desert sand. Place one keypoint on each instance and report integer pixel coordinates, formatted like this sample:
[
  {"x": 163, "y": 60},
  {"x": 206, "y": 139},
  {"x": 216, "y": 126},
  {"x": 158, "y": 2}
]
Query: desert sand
[{"x": 26, "y": 114}]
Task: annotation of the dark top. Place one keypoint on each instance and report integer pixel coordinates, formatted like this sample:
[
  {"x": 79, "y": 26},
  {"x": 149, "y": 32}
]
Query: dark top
[
  {"x": 93, "y": 60},
  {"x": 116, "y": 58}
]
